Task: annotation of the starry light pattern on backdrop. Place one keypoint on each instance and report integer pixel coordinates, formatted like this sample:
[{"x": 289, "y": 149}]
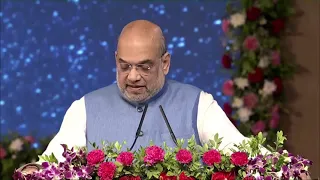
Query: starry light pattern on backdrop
[{"x": 54, "y": 52}]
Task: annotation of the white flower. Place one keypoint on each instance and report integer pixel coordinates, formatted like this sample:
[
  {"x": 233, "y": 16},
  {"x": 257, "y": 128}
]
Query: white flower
[
  {"x": 285, "y": 152},
  {"x": 279, "y": 173},
  {"x": 263, "y": 21},
  {"x": 237, "y": 102},
  {"x": 287, "y": 159},
  {"x": 237, "y": 19},
  {"x": 264, "y": 62},
  {"x": 268, "y": 88},
  {"x": 244, "y": 114},
  {"x": 14, "y": 156},
  {"x": 241, "y": 82},
  {"x": 16, "y": 145}
]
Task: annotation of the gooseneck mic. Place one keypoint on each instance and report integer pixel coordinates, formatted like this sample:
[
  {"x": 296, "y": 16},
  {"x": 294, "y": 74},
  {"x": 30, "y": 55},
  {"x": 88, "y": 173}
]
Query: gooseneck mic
[
  {"x": 140, "y": 126},
  {"x": 168, "y": 126}
]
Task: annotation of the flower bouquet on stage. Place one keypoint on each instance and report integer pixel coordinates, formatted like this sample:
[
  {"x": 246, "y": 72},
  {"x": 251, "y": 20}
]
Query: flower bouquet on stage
[{"x": 186, "y": 161}]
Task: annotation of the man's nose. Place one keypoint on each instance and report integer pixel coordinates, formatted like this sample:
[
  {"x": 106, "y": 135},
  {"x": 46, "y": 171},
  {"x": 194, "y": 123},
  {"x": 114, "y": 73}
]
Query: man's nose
[{"x": 134, "y": 75}]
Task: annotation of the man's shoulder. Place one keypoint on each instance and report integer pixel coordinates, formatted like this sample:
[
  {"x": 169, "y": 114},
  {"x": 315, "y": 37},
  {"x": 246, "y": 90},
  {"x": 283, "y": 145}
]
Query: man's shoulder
[
  {"x": 112, "y": 88},
  {"x": 183, "y": 86}
]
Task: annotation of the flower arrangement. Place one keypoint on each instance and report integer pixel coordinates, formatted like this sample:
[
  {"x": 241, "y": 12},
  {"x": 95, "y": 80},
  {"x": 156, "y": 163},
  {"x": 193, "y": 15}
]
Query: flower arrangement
[
  {"x": 253, "y": 48},
  {"x": 187, "y": 161},
  {"x": 17, "y": 150}
]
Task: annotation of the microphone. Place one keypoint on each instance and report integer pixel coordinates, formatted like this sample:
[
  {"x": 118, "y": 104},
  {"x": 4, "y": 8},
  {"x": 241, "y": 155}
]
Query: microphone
[
  {"x": 140, "y": 126},
  {"x": 168, "y": 126}
]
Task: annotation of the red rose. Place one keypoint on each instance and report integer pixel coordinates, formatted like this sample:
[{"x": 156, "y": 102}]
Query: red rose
[
  {"x": 183, "y": 176},
  {"x": 223, "y": 175},
  {"x": 249, "y": 178},
  {"x": 106, "y": 170},
  {"x": 226, "y": 61},
  {"x": 239, "y": 158},
  {"x": 256, "y": 76},
  {"x": 163, "y": 176},
  {"x": 154, "y": 154},
  {"x": 253, "y": 13},
  {"x": 277, "y": 25},
  {"x": 227, "y": 108},
  {"x": 184, "y": 156},
  {"x": 125, "y": 158},
  {"x": 95, "y": 157},
  {"x": 278, "y": 82},
  {"x": 130, "y": 178},
  {"x": 211, "y": 157}
]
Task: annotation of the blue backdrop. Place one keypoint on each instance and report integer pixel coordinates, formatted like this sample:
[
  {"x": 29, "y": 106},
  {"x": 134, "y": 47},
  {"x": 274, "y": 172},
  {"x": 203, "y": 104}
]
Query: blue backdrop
[{"x": 54, "y": 52}]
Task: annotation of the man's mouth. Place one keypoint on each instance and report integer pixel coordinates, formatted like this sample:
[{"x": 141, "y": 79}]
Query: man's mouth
[{"x": 135, "y": 88}]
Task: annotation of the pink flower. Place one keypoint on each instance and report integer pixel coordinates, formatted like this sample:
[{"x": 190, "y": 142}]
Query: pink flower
[
  {"x": 125, "y": 158},
  {"x": 29, "y": 139},
  {"x": 3, "y": 153},
  {"x": 106, "y": 170},
  {"x": 227, "y": 88},
  {"x": 275, "y": 117},
  {"x": 258, "y": 127},
  {"x": 239, "y": 158},
  {"x": 250, "y": 100},
  {"x": 95, "y": 157},
  {"x": 211, "y": 157},
  {"x": 184, "y": 156},
  {"x": 251, "y": 43},
  {"x": 154, "y": 154},
  {"x": 275, "y": 111},
  {"x": 275, "y": 58},
  {"x": 225, "y": 25},
  {"x": 273, "y": 123}
]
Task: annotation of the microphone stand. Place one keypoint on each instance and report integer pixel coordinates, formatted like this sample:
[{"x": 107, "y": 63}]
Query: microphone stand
[{"x": 168, "y": 126}]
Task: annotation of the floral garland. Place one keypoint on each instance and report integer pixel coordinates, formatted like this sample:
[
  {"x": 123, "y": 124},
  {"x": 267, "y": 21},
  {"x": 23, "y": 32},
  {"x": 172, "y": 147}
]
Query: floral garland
[
  {"x": 244, "y": 161},
  {"x": 253, "y": 49}
]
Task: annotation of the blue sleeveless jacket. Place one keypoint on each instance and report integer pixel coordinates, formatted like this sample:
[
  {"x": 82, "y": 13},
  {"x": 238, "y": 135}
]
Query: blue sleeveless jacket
[{"x": 111, "y": 118}]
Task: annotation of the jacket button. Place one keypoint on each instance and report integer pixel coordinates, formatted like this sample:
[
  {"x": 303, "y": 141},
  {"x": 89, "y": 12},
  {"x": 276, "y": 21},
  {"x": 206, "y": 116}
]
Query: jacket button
[
  {"x": 139, "y": 109},
  {"x": 141, "y": 133}
]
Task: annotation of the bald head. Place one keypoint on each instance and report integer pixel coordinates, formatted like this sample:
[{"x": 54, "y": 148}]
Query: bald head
[{"x": 143, "y": 31}]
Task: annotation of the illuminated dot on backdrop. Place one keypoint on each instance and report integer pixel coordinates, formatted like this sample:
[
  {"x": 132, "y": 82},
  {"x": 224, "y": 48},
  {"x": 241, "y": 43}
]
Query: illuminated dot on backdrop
[
  {"x": 2, "y": 102},
  {"x": 38, "y": 91},
  {"x": 71, "y": 47},
  {"x": 217, "y": 22},
  {"x": 53, "y": 115},
  {"x": 18, "y": 109},
  {"x": 49, "y": 76},
  {"x": 181, "y": 44},
  {"x": 5, "y": 76},
  {"x": 55, "y": 14},
  {"x": 185, "y": 9},
  {"x": 35, "y": 145}
]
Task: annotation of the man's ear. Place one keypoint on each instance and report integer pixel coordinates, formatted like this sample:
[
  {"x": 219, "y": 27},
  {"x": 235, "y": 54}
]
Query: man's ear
[
  {"x": 115, "y": 55},
  {"x": 166, "y": 63}
]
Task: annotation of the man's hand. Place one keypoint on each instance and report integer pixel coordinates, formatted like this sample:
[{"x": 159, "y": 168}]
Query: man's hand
[
  {"x": 304, "y": 176},
  {"x": 29, "y": 168}
]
